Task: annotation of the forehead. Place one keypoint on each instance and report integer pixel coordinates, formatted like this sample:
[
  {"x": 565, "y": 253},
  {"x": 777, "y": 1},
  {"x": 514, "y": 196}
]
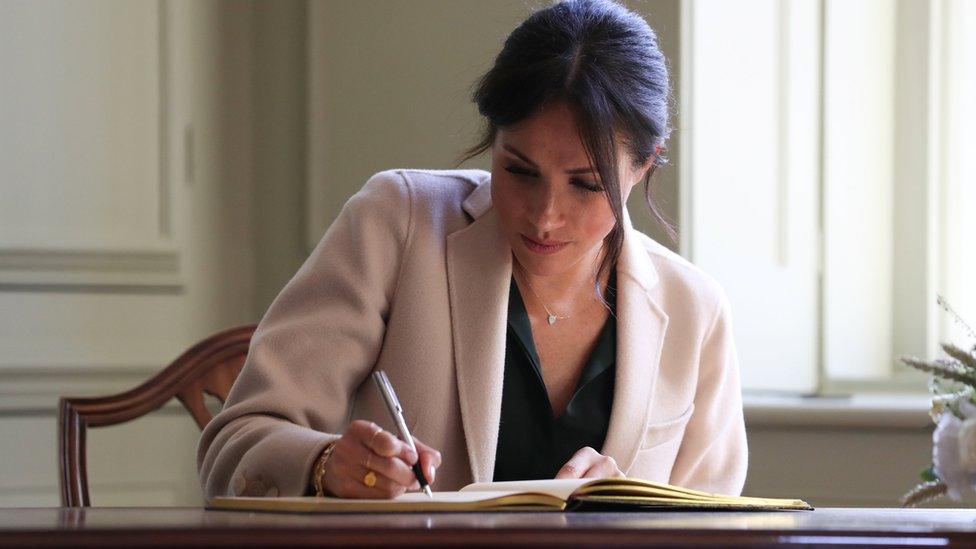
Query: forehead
[
  {"x": 551, "y": 135},
  {"x": 551, "y": 117},
  {"x": 551, "y": 132}
]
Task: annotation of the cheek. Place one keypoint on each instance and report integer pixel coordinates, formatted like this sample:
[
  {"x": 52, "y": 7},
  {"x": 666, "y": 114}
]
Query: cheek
[
  {"x": 506, "y": 201},
  {"x": 502, "y": 197},
  {"x": 598, "y": 223}
]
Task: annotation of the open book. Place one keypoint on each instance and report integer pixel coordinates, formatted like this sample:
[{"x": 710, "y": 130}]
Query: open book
[{"x": 537, "y": 495}]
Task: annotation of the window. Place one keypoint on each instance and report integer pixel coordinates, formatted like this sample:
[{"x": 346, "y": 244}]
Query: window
[
  {"x": 830, "y": 183},
  {"x": 958, "y": 177}
]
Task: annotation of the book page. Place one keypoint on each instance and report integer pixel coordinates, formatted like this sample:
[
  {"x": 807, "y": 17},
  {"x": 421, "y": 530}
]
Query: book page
[
  {"x": 560, "y": 488},
  {"x": 412, "y": 497},
  {"x": 446, "y": 497},
  {"x": 413, "y": 501},
  {"x": 628, "y": 489},
  {"x": 564, "y": 488}
]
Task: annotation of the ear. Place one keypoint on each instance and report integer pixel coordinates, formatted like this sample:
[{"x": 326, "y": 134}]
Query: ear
[
  {"x": 648, "y": 164},
  {"x": 637, "y": 175}
]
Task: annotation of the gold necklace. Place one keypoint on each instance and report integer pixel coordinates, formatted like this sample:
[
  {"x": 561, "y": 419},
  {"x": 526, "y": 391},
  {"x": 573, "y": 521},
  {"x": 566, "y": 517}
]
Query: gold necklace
[{"x": 552, "y": 318}]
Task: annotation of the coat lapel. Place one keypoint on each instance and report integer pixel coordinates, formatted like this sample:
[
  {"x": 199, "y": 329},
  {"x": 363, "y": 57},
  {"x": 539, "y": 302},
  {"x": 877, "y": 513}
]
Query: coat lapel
[
  {"x": 479, "y": 270},
  {"x": 641, "y": 327}
]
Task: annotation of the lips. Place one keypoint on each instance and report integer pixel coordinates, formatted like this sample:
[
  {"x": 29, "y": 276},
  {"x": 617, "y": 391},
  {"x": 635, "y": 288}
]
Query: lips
[{"x": 547, "y": 247}]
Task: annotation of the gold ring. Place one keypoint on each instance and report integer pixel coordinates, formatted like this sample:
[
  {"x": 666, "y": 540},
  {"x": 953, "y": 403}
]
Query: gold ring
[{"x": 370, "y": 479}]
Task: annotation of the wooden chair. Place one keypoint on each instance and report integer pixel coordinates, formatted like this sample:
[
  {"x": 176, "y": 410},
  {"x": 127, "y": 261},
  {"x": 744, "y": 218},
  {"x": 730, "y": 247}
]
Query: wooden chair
[{"x": 210, "y": 367}]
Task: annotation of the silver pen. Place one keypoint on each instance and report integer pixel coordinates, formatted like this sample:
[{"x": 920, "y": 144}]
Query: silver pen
[{"x": 393, "y": 404}]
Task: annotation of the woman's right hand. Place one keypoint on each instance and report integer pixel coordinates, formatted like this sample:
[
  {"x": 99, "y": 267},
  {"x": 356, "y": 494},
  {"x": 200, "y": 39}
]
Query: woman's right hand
[{"x": 366, "y": 447}]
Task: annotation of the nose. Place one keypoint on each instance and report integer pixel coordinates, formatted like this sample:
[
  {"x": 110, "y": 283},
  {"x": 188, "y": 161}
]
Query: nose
[{"x": 546, "y": 213}]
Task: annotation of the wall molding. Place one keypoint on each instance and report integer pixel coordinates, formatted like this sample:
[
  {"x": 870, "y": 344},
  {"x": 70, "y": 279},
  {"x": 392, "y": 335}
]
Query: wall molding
[
  {"x": 170, "y": 488},
  {"x": 36, "y": 268},
  {"x": 153, "y": 266},
  {"x": 859, "y": 412},
  {"x": 34, "y": 389}
]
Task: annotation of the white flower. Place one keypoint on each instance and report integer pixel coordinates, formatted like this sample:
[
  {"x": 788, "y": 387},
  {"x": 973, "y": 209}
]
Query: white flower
[
  {"x": 966, "y": 407},
  {"x": 967, "y": 445},
  {"x": 945, "y": 456}
]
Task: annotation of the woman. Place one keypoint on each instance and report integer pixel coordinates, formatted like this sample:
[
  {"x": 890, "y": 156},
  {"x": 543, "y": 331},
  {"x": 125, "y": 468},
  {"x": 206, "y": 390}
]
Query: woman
[{"x": 529, "y": 329}]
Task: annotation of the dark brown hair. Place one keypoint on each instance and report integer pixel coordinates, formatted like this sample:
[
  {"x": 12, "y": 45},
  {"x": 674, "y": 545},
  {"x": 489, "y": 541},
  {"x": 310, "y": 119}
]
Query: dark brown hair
[{"x": 604, "y": 61}]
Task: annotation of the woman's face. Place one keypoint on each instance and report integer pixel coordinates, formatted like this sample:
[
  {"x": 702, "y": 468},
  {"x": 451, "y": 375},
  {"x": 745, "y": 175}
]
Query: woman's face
[{"x": 549, "y": 199}]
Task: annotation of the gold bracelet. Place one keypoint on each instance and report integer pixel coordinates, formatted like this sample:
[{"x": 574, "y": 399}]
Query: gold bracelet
[{"x": 318, "y": 472}]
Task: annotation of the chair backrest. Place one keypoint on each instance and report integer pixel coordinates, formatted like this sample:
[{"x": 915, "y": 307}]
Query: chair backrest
[{"x": 210, "y": 367}]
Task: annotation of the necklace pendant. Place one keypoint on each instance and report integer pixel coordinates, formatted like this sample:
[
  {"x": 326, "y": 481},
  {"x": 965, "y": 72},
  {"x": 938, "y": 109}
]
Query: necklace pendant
[{"x": 552, "y": 319}]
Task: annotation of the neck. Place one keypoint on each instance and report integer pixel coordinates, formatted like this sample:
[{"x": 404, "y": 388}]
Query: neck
[{"x": 564, "y": 292}]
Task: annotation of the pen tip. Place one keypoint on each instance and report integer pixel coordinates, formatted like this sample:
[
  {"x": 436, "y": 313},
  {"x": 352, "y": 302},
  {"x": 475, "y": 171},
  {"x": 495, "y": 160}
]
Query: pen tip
[{"x": 428, "y": 492}]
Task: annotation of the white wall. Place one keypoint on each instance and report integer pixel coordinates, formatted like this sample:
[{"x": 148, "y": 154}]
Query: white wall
[
  {"x": 391, "y": 83},
  {"x": 140, "y": 146},
  {"x": 834, "y": 465}
]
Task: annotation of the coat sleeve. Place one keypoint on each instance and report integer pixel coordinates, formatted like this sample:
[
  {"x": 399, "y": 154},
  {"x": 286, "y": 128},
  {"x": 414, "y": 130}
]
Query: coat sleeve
[
  {"x": 313, "y": 348},
  {"x": 714, "y": 455}
]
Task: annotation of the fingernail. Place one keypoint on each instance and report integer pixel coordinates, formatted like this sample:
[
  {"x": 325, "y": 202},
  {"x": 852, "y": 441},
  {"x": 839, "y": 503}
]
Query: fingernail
[
  {"x": 412, "y": 457},
  {"x": 430, "y": 473}
]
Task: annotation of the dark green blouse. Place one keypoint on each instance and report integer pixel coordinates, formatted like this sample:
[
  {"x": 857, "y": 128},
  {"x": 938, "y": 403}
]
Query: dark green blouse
[{"x": 532, "y": 444}]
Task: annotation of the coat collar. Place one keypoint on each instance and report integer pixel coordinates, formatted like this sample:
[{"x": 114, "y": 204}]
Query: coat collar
[
  {"x": 641, "y": 327},
  {"x": 479, "y": 270}
]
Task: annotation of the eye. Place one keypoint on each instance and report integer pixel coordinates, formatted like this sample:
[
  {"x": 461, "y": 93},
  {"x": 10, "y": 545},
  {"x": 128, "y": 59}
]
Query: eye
[
  {"x": 591, "y": 187},
  {"x": 519, "y": 171},
  {"x": 578, "y": 183}
]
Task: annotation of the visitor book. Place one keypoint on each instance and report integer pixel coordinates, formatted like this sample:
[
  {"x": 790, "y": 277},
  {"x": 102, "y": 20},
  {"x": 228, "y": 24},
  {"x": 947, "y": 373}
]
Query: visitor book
[{"x": 532, "y": 495}]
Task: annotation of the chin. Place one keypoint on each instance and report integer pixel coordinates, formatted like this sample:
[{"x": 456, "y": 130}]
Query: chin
[{"x": 544, "y": 266}]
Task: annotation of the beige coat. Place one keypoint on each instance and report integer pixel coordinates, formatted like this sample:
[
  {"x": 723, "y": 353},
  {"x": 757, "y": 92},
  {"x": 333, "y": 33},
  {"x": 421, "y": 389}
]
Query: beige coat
[{"x": 413, "y": 278}]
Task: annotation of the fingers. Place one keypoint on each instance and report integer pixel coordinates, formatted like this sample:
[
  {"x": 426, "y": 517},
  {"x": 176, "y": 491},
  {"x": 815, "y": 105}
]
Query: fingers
[
  {"x": 388, "y": 445},
  {"x": 347, "y": 469},
  {"x": 588, "y": 463},
  {"x": 366, "y": 447},
  {"x": 430, "y": 460},
  {"x": 578, "y": 464},
  {"x": 385, "y": 487},
  {"x": 393, "y": 466},
  {"x": 384, "y": 453},
  {"x": 381, "y": 442},
  {"x": 604, "y": 467}
]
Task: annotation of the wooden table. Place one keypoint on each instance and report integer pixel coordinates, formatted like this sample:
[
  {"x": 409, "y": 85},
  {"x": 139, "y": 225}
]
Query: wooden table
[{"x": 194, "y": 527}]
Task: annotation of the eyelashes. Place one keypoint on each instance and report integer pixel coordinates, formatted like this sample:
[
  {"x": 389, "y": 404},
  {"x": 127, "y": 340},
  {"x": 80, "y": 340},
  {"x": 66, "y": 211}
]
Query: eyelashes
[{"x": 521, "y": 172}]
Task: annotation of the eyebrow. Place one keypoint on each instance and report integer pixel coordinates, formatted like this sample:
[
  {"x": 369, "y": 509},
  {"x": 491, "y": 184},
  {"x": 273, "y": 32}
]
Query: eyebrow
[{"x": 528, "y": 161}]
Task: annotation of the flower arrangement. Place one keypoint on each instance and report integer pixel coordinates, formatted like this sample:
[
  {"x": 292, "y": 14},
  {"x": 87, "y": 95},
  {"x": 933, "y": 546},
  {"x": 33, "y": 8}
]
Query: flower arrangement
[{"x": 953, "y": 387}]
